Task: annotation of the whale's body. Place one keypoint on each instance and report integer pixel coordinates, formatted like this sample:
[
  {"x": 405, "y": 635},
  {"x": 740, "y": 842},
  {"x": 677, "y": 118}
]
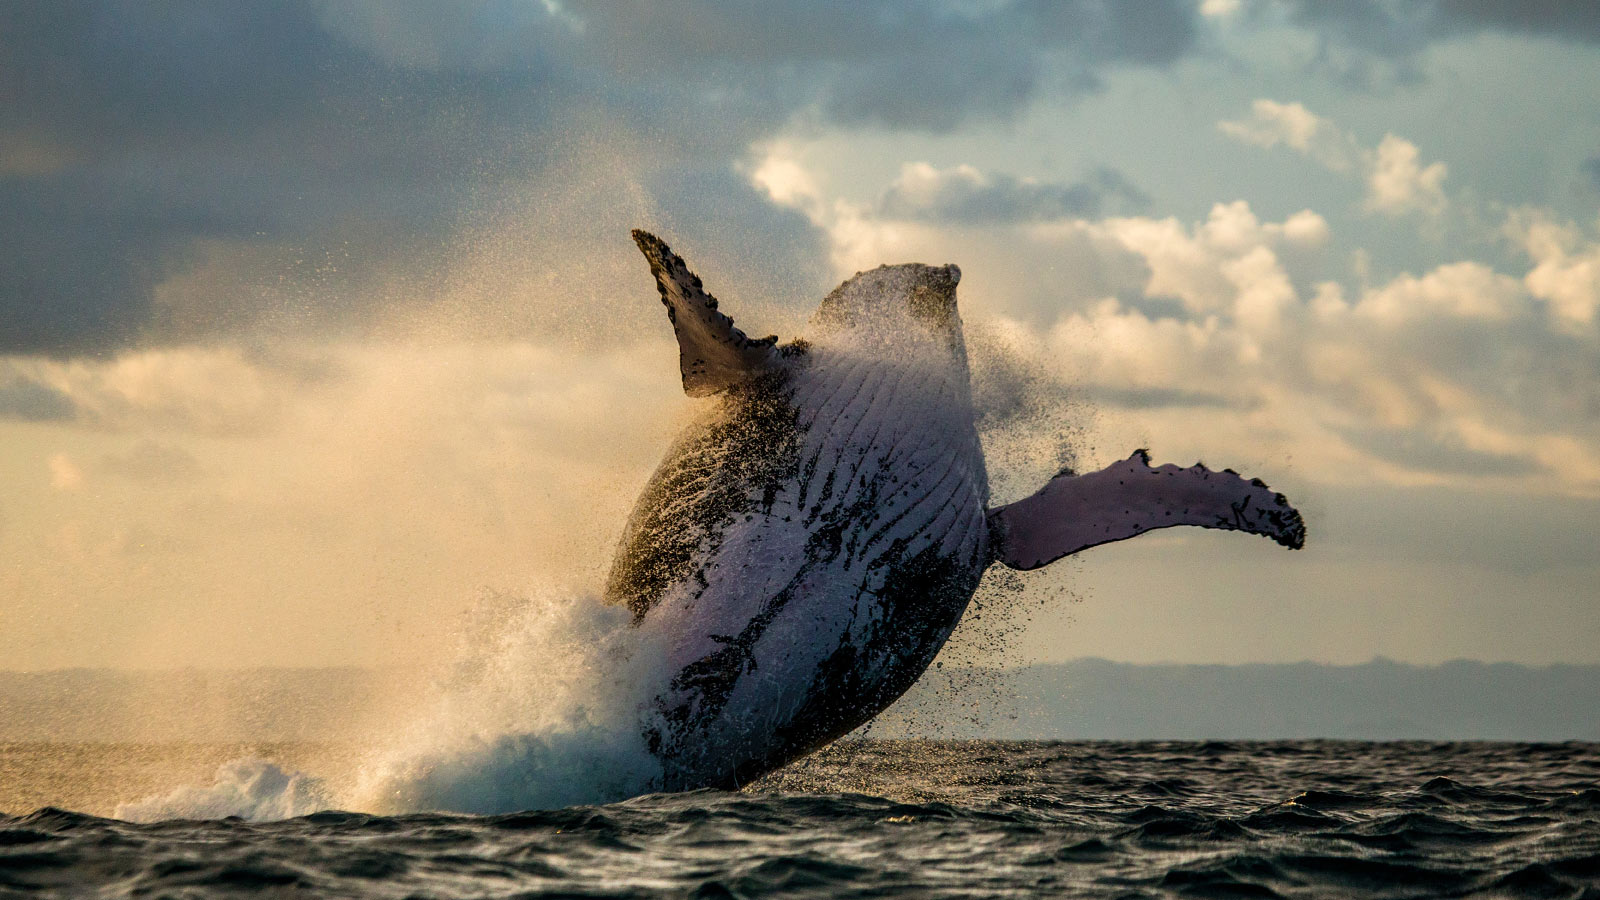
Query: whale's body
[{"x": 805, "y": 549}]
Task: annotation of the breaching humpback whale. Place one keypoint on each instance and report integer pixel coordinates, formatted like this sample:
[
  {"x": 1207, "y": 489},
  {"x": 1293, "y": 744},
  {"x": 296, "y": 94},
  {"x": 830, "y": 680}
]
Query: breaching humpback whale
[{"x": 804, "y": 550}]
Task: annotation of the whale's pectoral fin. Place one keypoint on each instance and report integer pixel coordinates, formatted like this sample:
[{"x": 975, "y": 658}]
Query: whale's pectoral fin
[
  {"x": 1076, "y": 512},
  {"x": 712, "y": 354}
]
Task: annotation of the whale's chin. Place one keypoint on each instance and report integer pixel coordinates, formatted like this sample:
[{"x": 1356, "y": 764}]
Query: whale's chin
[{"x": 805, "y": 705}]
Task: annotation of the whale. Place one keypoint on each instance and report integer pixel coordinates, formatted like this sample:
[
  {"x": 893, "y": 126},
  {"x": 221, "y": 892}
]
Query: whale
[{"x": 808, "y": 543}]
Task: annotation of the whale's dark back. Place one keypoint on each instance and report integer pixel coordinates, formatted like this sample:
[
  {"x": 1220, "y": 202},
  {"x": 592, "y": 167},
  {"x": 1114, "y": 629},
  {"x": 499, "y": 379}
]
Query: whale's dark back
[{"x": 738, "y": 464}]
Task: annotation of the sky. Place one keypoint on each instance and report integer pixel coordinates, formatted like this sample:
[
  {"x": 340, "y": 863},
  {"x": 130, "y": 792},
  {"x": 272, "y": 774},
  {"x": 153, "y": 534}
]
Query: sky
[{"x": 320, "y": 326}]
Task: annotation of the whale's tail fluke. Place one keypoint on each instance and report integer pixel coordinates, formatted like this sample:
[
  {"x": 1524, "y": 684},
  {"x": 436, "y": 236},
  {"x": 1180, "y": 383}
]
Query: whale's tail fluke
[
  {"x": 713, "y": 355},
  {"x": 1076, "y": 512}
]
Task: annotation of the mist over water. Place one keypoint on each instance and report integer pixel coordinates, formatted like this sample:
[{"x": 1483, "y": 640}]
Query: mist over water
[
  {"x": 540, "y": 710},
  {"x": 542, "y": 701},
  {"x": 404, "y": 468}
]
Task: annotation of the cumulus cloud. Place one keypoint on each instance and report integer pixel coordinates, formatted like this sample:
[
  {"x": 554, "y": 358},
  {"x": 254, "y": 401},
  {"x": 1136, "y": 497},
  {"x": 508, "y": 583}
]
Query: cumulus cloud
[
  {"x": 1452, "y": 374},
  {"x": 1566, "y": 272},
  {"x": 1467, "y": 290},
  {"x": 1456, "y": 373},
  {"x": 272, "y": 272},
  {"x": 1396, "y": 181},
  {"x": 966, "y": 196},
  {"x": 1229, "y": 263},
  {"x": 1296, "y": 127}
]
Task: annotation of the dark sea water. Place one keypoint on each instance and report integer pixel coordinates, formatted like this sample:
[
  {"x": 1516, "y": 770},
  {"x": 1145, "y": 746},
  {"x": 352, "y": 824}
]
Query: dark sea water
[{"x": 920, "y": 819}]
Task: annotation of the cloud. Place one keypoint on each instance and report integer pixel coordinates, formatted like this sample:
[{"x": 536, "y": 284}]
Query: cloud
[
  {"x": 1398, "y": 27},
  {"x": 966, "y": 196},
  {"x": 1228, "y": 263},
  {"x": 251, "y": 124},
  {"x": 1397, "y": 183},
  {"x": 1407, "y": 448},
  {"x": 1566, "y": 272},
  {"x": 1366, "y": 43},
  {"x": 1377, "y": 44},
  {"x": 153, "y": 462},
  {"x": 860, "y": 236},
  {"x": 1468, "y": 290},
  {"x": 1457, "y": 374},
  {"x": 932, "y": 66},
  {"x": 335, "y": 150},
  {"x": 1451, "y": 376},
  {"x": 23, "y": 398},
  {"x": 1296, "y": 127},
  {"x": 213, "y": 391}
]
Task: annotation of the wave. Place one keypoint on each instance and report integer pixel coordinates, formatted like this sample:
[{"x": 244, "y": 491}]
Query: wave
[{"x": 943, "y": 825}]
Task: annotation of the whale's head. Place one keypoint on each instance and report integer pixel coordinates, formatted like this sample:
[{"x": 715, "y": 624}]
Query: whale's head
[{"x": 895, "y": 303}]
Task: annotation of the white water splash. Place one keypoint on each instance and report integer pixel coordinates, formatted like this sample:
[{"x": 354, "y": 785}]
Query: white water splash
[
  {"x": 248, "y": 788},
  {"x": 541, "y": 710},
  {"x": 545, "y": 712}
]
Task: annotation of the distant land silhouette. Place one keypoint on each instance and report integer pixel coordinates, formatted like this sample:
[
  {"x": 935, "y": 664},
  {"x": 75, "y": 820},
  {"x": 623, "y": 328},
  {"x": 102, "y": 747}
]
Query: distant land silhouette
[{"x": 1083, "y": 699}]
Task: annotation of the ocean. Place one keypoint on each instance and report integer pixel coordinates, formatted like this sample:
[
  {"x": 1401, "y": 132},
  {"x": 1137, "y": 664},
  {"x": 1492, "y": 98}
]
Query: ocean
[{"x": 874, "y": 818}]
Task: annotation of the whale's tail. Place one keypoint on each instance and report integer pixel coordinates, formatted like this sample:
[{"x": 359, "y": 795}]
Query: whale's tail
[{"x": 1076, "y": 512}]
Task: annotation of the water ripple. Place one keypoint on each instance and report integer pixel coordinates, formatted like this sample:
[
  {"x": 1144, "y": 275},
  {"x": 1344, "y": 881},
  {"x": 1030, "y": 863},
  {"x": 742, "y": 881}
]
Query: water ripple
[{"x": 927, "y": 819}]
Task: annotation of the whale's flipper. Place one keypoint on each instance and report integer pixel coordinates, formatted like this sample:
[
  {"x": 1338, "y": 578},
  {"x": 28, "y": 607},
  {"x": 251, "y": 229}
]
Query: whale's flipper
[
  {"x": 712, "y": 354},
  {"x": 1076, "y": 512}
]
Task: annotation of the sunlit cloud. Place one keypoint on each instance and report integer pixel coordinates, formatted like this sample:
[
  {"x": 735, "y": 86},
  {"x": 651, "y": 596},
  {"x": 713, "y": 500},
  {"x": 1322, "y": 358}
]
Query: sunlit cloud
[
  {"x": 299, "y": 356},
  {"x": 1382, "y": 380},
  {"x": 1566, "y": 272},
  {"x": 1396, "y": 181},
  {"x": 1292, "y": 125}
]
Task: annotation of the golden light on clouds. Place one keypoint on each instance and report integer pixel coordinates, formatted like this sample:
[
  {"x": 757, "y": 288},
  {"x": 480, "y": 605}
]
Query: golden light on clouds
[{"x": 301, "y": 359}]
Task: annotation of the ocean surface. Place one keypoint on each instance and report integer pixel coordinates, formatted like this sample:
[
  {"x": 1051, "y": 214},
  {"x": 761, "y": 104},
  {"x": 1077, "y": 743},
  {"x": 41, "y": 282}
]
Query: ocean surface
[{"x": 882, "y": 819}]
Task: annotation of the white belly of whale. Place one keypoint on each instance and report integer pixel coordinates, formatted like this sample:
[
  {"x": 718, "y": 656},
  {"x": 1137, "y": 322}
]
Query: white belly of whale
[{"x": 890, "y": 475}]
